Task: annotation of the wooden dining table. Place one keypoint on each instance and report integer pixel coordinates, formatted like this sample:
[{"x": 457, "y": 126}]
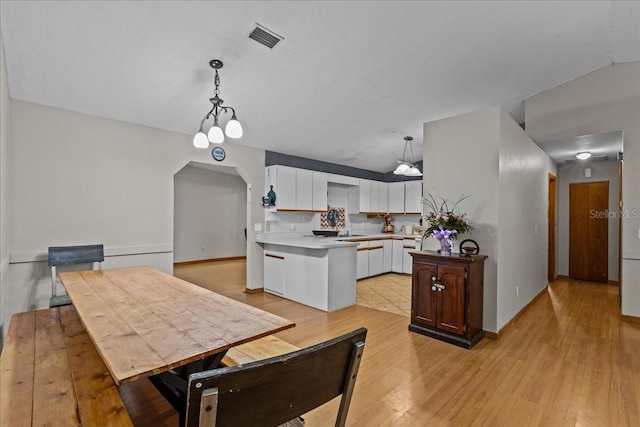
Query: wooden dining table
[{"x": 146, "y": 323}]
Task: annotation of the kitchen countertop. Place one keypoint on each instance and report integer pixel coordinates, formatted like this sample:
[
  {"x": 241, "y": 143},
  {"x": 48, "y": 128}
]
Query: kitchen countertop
[{"x": 314, "y": 242}]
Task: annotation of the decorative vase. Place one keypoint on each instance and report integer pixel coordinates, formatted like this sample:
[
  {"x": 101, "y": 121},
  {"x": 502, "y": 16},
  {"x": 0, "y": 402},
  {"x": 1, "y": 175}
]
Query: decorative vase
[{"x": 445, "y": 247}]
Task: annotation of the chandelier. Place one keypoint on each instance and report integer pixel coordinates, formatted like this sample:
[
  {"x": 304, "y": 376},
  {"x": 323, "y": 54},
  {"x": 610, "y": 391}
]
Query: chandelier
[
  {"x": 406, "y": 168},
  {"x": 233, "y": 129}
]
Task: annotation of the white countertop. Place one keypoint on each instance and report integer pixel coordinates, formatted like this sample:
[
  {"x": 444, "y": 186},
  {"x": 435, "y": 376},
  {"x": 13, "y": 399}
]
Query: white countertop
[{"x": 315, "y": 242}]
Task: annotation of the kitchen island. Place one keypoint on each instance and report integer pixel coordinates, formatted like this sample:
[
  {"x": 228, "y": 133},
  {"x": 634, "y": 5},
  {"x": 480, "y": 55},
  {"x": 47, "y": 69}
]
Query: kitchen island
[{"x": 315, "y": 271}]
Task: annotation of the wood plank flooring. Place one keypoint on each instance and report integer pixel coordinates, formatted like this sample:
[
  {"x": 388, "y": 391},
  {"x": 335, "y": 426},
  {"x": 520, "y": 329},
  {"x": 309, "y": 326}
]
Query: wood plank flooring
[{"x": 568, "y": 360}]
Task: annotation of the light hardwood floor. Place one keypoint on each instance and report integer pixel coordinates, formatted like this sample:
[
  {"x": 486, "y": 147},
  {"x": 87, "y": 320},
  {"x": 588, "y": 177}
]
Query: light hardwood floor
[{"x": 568, "y": 360}]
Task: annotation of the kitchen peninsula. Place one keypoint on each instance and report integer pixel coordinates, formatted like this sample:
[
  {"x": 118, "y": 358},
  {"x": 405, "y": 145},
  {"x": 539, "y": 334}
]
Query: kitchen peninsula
[{"x": 319, "y": 272}]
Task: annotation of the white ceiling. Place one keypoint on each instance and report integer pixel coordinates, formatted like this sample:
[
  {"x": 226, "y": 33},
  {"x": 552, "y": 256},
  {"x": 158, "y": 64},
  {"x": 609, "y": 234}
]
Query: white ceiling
[
  {"x": 600, "y": 145},
  {"x": 350, "y": 80}
]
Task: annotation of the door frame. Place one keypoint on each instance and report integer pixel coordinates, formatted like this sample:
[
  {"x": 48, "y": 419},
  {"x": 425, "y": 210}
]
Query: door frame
[{"x": 552, "y": 220}]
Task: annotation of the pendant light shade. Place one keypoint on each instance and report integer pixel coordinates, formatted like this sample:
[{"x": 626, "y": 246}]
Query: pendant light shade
[
  {"x": 200, "y": 140},
  {"x": 402, "y": 169},
  {"x": 413, "y": 171},
  {"x": 215, "y": 134},
  {"x": 233, "y": 129}
]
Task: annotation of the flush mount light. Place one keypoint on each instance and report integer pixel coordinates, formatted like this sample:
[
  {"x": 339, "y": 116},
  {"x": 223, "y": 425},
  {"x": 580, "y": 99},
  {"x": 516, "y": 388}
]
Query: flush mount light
[
  {"x": 584, "y": 155},
  {"x": 215, "y": 134},
  {"x": 405, "y": 168}
]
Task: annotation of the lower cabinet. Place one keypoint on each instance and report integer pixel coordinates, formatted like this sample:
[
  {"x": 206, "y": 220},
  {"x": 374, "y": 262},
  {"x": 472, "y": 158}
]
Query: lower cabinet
[
  {"x": 408, "y": 245},
  {"x": 362, "y": 269},
  {"x": 397, "y": 264},
  {"x": 387, "y": 255},
  {"x": 274, "y": 280},
  {"x": 446, "y": 297},
  {"x": 376, "y": 257}
]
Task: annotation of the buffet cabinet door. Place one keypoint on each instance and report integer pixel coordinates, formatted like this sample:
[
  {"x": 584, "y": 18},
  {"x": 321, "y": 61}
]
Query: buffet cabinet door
[
  {"x": 424, "y": 301},
  {"x": 451, "y": 299}
]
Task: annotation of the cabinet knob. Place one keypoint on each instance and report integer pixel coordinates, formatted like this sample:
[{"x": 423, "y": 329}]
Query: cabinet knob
[{"x": 433, "y": 279}]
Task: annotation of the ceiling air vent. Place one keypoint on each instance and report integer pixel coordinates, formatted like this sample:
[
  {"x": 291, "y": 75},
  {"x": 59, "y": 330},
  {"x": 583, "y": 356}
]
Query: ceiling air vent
[{"x": 264, "y": 36}]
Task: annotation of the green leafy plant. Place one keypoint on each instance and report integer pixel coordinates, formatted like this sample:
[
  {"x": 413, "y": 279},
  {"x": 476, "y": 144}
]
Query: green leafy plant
[{"x": 442, "y": 221}]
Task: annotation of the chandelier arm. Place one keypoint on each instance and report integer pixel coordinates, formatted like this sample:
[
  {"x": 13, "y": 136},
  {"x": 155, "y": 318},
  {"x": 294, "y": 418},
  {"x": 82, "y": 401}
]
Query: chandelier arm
[{"x": 204, "y": 119}]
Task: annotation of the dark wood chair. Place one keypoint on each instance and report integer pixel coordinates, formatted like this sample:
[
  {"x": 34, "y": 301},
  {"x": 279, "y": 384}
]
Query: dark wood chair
[
  {"x": 273, "y": 391},
  {"x": 70, "y": 255}
]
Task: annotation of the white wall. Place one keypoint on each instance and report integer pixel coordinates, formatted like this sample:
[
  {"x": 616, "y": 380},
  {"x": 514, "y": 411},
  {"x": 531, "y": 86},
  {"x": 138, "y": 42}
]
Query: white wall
[
  {"x": 523, "y": 218},
  {"x": 4, "y": 199},
  {"x": 210, "y": 215},
  {"x": 605, "y": 100},
  {"x": 574, "y": 173},
  {"x": 79, "y": 179},
  {"x": 486, "y": 155},
  {"x": 461, "y": 157}
]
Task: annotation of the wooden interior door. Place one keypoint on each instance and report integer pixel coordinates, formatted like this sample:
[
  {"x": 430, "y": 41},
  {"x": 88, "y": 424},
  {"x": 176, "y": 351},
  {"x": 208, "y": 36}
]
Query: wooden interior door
[{"x": 588, "y": 231}]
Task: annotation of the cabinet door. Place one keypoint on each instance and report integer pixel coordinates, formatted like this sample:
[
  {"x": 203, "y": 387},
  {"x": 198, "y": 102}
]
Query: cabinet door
[
  {"x": 304, "y": 190},
  {"x": 407, "y": 260},
  {"x": 387, "y": 255},
  {"x": 319, "y": 191},
  {"x": 285, "y": 188},
  {"x": 451, "y": 299},
  {"x": 413, "y": 197},
  {"x": 396, "y": 197},
  {"x": 365, "y": 196},
  {"x": 423, "y": 298},
  {"x": 274, "y": 273},
  {"x": 374, "y": 196},
  {"x": 396, "y": 261},
  {"x": 362, "y": 269},
  {"x": 384, "y": 197},
  {"x": 376, "y": 257}
]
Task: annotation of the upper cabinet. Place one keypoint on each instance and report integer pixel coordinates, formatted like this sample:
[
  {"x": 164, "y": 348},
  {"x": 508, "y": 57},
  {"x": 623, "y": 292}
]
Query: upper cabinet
[
  {"x": 405, "y": 197},
  {"x": 413, "y": 197},
  {"x": 302, "y": 190},
  {"x": 319, "y": 191},
  {"x": 374, "y": 198},
  {"x": 396, "y": 197},
  {"x": 297, "y": 189}
]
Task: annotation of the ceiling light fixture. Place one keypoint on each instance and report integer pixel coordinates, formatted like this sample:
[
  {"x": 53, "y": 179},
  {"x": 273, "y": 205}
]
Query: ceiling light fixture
[
  {"x": 406, "y": 168},
  {"x": 215, "y": 134},
  {"x": 584, "y": 155}
]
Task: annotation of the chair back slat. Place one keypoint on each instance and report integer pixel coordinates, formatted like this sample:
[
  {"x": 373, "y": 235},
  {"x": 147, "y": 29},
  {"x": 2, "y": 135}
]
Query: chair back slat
[
  {"x": 273, "y": 391},
  {"x": 68, "y": 255}
]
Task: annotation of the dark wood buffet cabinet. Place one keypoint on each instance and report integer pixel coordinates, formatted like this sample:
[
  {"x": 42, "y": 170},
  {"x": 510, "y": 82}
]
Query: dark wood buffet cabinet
[{"x": 446, "y": 297}]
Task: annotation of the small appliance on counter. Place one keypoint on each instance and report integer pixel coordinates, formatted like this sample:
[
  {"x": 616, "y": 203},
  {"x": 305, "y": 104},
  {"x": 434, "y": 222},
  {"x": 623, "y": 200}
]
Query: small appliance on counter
[{"x": 387, "y": 227}]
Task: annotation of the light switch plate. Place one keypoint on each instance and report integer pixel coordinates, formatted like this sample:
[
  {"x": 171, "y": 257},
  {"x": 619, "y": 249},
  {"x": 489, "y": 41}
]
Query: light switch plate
[{"x": 257, "y": 226}]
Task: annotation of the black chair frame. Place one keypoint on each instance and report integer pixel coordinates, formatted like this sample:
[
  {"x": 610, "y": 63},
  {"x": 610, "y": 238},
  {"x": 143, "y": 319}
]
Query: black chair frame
[{"x": 273, "y": 391}]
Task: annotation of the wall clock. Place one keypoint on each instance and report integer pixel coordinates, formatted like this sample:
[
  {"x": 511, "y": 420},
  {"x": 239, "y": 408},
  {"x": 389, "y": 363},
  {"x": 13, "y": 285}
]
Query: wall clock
[{"x": 218, "y": 154}]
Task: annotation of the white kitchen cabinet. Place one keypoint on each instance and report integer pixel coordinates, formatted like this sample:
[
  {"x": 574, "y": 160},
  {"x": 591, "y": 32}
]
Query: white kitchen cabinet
[
  {"x": 353, "y": 199},
  {"x": 374, "y": 196},
  {"x": 319, "y": 192},
  {"x": 274, "y": 273},
  {"x": 304, "y": 190},
  {"x": 376, "y": 257},
  {"x": 396, "y": 197},
  {"x": 283, "y": 179},
  {"x": 408, "y": 245},
  {"x": 365, "y": 196},
  {"x": 396, "y": 261},
  {"x": 362, "y": 267},
  {"x": 384, "y": 197},
  {"x": 413, "y": 197},
  {"x": 387, "y": 260}
]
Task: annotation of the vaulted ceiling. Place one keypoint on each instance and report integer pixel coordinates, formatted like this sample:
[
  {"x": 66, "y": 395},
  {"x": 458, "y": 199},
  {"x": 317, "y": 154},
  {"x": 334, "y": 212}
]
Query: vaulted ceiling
[{"x": 348, "y": 82}]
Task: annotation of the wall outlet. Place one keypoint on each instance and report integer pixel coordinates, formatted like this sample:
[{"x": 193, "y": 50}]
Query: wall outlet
[{"x": 517, "y": 292}]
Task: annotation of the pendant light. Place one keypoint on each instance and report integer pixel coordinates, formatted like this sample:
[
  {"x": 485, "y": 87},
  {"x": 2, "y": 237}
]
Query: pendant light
[
  {"x": 233, "y": 129},
  {"x": 406, "y": 168}
]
